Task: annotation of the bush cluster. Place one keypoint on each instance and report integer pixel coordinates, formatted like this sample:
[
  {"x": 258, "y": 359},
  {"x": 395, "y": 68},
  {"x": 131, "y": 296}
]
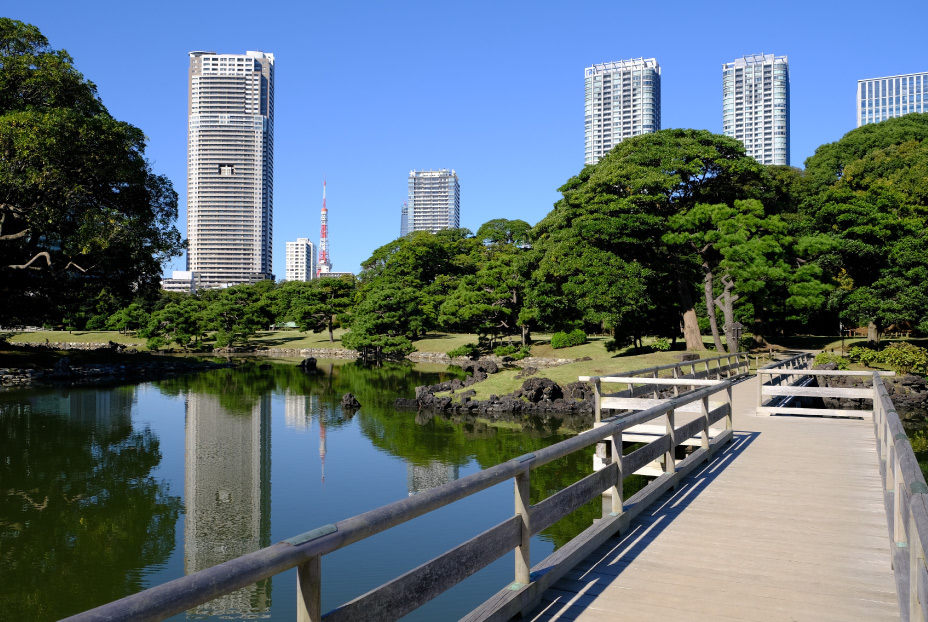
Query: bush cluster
[
  {"x": 470, "y": 350},
  {"x": 513, "y": 352},
  {"x": 575, "y": 337},
  {"x": 901, "y": 357},
  {"x": 661, "y": 344},
  {"x": 824, "y": 358}
]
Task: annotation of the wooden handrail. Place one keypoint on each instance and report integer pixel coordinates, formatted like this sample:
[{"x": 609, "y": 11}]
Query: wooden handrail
[
  {"x": 906, "y": 501},
  {"x": 394, "y": 599}
]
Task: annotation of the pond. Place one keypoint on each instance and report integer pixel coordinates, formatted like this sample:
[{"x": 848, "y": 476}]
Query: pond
[{"x": 106, "y": 491}]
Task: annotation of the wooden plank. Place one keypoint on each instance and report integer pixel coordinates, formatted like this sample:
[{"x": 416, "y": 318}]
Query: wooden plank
[
  {"x": 823, "y": 372},
  {"x": 560, "y": 504},
  {"x": 659, "y": 381},
  {"x": 819, "y": 392},
  {"x": 418, "y": 586},
  {"x": 643, "y": 403},
  {"x": 819, "y": 412},
  {"x": 647, "y": 454}
]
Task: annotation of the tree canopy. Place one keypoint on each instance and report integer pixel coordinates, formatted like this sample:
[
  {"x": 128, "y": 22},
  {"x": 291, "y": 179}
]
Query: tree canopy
[{"x": 80, "y": 208}]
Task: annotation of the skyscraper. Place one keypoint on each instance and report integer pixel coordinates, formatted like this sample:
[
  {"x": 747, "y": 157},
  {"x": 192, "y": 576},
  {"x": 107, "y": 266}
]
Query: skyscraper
[
  {"x": 230, "y": 167},
  {"x": 434, "y": 201},
  {"x": 623, "y": 99},
  {"x": 755, "y": 106},
  {"x": 879, "y": 99},
  {"x": 301, "y": 260}
]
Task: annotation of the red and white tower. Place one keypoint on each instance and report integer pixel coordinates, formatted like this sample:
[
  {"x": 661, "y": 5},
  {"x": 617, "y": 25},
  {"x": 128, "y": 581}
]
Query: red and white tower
[{"x": 324, "y": 264}]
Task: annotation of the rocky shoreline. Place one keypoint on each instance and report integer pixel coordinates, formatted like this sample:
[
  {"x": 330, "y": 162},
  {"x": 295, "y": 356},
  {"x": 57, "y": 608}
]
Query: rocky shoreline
[
  {"x": 66, "y": 374},
  {"x": 539, "y": 398}
]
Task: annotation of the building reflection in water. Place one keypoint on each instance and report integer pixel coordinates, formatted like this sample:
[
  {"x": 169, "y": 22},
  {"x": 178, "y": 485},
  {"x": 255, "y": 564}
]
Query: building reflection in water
[
  {"x": 107, "y": 411},
  {"x": 228, "y": 496},
  {"x": 298, "y": 415},
  {"x": 422, "y": 477}
]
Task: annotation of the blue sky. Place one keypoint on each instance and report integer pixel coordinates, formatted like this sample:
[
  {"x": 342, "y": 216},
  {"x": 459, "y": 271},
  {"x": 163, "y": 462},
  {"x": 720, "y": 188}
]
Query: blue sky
[{"x": 367, "y": 91}]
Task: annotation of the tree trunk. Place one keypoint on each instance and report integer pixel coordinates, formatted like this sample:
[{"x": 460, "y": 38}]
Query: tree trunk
[
  {"x": 526, "y": 336},
  {"x": 726, "y": 302},
  {"x": 690, "y": 322},
  {"x": 331, "y": 331},
  {"x": 710, "y": 309},
  {"x": 759, "y": 341}
]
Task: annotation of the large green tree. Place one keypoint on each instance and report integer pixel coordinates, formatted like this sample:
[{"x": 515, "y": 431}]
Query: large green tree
[
  {"x": 318, "y": 304},
  {"x": 621, "y": 208},
  {"x": 80, "y": 208},
  {"x": 873, "y": 202}
]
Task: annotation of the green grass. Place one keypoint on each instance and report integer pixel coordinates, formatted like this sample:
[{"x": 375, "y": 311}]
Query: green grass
[
  {"x": 296, "y": 340},
  {"x": 78, "y": 336}
]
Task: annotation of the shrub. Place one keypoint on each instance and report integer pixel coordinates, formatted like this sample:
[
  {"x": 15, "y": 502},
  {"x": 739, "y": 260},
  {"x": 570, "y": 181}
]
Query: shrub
[
  {"x": 661, "y": 345},
  {"x": 904, "y": 358},
  {"x": 830, "y": 357},
  {"x": 575, "y": 337},
  {"x": 521, "y": 353},
  {"x": 470, "y": 350},
  {"x": 863, "y": 355},
  {"x": 505, "y": 350}
]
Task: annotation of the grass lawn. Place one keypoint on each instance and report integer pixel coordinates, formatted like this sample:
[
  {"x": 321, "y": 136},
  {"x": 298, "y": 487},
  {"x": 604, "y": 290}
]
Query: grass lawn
[{"x": 79, "y": 336}]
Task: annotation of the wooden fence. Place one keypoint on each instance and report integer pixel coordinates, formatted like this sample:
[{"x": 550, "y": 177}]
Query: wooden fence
[
  {"x": 414, "y": 588},
  {"x": 784, "y": 379}
]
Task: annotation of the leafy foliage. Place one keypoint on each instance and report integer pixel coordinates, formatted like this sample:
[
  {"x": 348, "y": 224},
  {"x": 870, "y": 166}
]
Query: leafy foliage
[
  {"x": 575, "y": 337},
  {"x": 470, "y": 350},
  {"x": 80, "y": 209},
  {"x": 824, "y": 358}
]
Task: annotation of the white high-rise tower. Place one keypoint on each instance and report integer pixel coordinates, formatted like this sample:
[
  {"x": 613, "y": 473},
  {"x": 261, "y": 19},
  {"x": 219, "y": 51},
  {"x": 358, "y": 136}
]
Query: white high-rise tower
[
  {"x": 755, "y": 106},
  {"x": 623, "y": 99},
  {"x": 434, "y": 201},
  {"x": 230, "y": 167}
]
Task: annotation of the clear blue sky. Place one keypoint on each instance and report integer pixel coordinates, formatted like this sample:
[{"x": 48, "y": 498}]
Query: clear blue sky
[{"x": 365, "y": 92}]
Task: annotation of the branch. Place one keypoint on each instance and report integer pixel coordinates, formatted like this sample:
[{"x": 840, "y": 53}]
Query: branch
[{"x": 11, "y": 236}]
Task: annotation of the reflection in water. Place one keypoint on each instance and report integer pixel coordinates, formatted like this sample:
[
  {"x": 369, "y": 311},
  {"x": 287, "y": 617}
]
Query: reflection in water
[
  {"x": 228, "y": 495},
  {"x": 422, "y": 477},
  {"x": 298, "y": 415},
  {"x": 81, "y": 517}
]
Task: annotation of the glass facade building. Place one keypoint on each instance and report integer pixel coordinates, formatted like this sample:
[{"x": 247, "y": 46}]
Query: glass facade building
[
  {"x": 623, "y": 99},
  {"x": 230, "y": 167},
  {"x": 879, "y": 99},
  {"x": 434, "y": 201},
  {"x": 755, "y": 106}
]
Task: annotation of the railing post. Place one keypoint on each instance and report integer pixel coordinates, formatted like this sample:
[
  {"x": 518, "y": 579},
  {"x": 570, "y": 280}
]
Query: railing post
[
  {"x": 597, "y": 400},
  {"x": 916, "y": 563},
  {"x": 654, "y": 375},
  {"x": 309, "y": 590},
  {"x": 760, "y": 387},
  {"x": 704, "y": 435},
  {"x": 676, "y": 388},
  {"x": 729, "y": 420},
  {"x": 618, "y": 493},
  {"x": 670, "y": 463},
  {"x": 523, "y": 559}
]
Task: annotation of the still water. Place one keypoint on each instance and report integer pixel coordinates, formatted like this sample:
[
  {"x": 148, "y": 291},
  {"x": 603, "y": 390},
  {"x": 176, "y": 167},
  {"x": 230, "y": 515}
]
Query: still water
[{"x": 107, "y": 491}]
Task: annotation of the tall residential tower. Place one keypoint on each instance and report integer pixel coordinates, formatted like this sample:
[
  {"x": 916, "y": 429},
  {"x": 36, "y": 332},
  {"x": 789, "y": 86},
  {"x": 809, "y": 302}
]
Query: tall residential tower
[
  {"x": 434, "y": 201},
  {"x": 301, "y": 260},
  {"x": 230, "y": 167},
  {"x": 755, "y": 106},
  {"x": 623, "y": 99},
  {"x": 879, "y": 99}
]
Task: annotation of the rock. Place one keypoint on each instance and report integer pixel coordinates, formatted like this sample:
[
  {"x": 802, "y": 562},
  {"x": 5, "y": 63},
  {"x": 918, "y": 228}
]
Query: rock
[
  {"x": 308, "y": 364},
  {"x": 541, "y": 389},
  {"x": 455, "y": 385},
  {"x": 62, "y": 367},
  {"x": 579, "y": 391},
  {"x": 688, "y": 356},
  {"x": 349, "y": 401},
  {"x": 526, "y": 372},
  {"x": 402, "y": 403},
  {"x": 422, "y": 392}
]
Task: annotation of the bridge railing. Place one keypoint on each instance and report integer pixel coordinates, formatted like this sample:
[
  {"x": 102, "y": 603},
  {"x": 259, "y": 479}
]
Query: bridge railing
[
  {"x": 724, "y": 366},
  {"x": 414, "y": 588},
  {"x": 906, "y": 501}
]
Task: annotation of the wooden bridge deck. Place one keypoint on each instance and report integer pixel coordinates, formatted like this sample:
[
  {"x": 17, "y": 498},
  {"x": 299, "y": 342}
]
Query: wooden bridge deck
[{"x": 786, "y": 523}]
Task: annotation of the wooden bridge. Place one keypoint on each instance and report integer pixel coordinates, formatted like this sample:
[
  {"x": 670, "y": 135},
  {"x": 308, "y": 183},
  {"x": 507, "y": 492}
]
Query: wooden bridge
[{"x": 748, "y": 517}]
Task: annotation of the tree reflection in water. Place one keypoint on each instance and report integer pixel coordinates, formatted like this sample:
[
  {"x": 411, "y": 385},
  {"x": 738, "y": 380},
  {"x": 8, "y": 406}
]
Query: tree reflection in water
[{"x": 80, "y": 513}]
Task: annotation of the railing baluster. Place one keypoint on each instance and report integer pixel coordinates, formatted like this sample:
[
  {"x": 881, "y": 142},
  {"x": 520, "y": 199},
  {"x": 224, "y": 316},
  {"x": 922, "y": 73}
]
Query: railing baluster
[
  {"x": 309, "y": 591},
  {"x": 670, "y": 463},
  {"x": 597, "y": 400},
  {"x": 523, "y": 559},
  {"x": 704, "y": 435},
  {"x": 618, "y": 492}
]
